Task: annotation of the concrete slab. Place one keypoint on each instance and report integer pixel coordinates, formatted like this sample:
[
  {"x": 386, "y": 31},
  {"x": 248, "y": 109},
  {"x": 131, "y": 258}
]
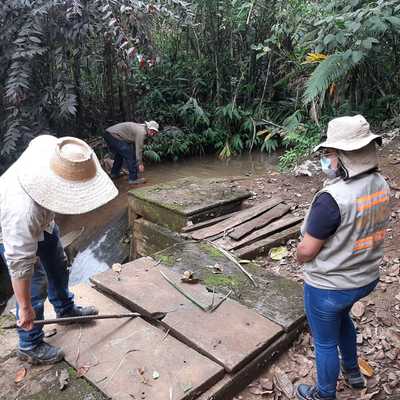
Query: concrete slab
[
  {"x": 232, "y": 335},
  {"x": 174, "y": 204},
  {"x": 124, "y": 357},
  {"x": 275, "y": 297}
]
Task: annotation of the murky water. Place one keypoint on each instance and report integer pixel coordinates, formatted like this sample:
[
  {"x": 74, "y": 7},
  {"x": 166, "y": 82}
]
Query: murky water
[{"x": 103, "y": 240}]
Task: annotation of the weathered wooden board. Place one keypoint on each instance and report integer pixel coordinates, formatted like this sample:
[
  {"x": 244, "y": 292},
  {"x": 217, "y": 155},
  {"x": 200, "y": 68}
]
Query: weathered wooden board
[
  {"x": 238, "y": 219},
  {"x": 231, "y": 335},
  {"x": 275, "y": 297},
  {"x": 285, "y": 222},
  {"x": 209, "y": 222},
  {"x": 175, "y": 203},
  {"x": 262, "y": 246},
  {"x": 260, "y": 221},
  {"x": 121, "y": 356}
]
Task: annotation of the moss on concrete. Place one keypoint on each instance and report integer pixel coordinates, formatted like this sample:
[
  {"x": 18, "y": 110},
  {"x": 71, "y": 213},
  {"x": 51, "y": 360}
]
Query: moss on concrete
[
  {"x": 222, "y": 280},
  {"x": 168, "y": 261},
  {"x": 211, "y": 250}
]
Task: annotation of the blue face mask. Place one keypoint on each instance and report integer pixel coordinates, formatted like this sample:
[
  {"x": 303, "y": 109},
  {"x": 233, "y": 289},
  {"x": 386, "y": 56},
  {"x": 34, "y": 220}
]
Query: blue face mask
[{"x": 326, "y": 165}]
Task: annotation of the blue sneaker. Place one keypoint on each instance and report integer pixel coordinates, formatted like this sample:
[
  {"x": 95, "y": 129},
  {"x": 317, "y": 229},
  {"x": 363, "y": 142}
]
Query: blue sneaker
[{"x": 308, "y": 392}]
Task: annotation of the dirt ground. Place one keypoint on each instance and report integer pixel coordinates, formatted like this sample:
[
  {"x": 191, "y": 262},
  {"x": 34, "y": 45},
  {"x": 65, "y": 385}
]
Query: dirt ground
[{"x": 377, "y": 317}]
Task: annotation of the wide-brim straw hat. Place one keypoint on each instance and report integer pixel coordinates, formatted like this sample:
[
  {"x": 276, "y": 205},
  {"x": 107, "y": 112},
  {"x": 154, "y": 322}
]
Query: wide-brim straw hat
[
  {"x": 64, "y": 175},
  {"x": 348, "y": 134},
  {"x": 152, "y": 125}
]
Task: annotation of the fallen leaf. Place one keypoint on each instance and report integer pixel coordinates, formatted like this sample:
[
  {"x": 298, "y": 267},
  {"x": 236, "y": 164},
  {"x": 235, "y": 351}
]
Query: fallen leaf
[
  {"x": 20, "y": 375},
  {"x": 187, "y": 387},
  {"x": 394, "y": 270},
  {"x": 188, "y": 277},
  {"x": 50, "y": 332},
  {"x": 267, "y": 385},
  {"x": 258, "y": 391},
  {"x": 278, "y": 253},
  {"x": 216, "y": 269},
  {"x": 117, "y": 267},
  {"x": 369, "y": 396},
  {"x": 358, "y": 309},
  {"x": 387, "y": 388},
  {"x": 365, "y": 368},
  {"x": 81, "y": 371},
  {"x": 63, "y": 379},
  {"x": 156, "y": 375},
  {"x": 283, "y": 383}
]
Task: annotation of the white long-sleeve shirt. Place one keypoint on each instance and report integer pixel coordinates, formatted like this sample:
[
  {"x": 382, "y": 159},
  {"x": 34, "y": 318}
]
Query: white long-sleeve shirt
[{"x": 22, "y": 225}]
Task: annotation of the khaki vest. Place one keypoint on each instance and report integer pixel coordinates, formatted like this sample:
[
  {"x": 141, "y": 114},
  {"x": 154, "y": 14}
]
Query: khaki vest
[{"x": 350, "y": 258}]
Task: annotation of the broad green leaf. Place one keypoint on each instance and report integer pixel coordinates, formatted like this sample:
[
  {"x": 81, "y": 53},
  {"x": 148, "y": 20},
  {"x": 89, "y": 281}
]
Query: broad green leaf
[
  {"x": 340, "y": 37},
  {"x": 368, "y": 42},
  {"x": 395, "y": 21},
  {"x": 329, "y": 39},
  {"x": 357, "y": 56}
]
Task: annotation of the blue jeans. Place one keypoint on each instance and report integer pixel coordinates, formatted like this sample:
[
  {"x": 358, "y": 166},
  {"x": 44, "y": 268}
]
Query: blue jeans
[
  {"x": 328, "y": 315},
  {"x": 122, "y": 151},
  {"x": 50, "y": 278}
]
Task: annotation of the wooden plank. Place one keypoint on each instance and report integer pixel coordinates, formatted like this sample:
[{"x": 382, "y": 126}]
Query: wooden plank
[
  {"x": 238, "y": 219},
  {"x": 260, "y": 221},
  {"x": 286, "y": 222},
  {"x": 115, "y": 351},
  {"x": 209, "y": 222},
  {"x": 262, "y": 246},
  {"x": 231, "y": 335}
]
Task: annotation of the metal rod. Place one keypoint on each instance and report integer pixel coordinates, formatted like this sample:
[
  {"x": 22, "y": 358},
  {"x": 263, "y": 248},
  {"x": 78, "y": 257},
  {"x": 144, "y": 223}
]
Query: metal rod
[{"x": 83, "y": 318}]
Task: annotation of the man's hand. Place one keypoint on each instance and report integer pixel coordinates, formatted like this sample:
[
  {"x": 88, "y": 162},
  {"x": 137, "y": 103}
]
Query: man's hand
[
  {"x": 141, "y": 168},
  {"x": 26, "y": 317},
  {"x": 26, "y": 314},
  {"x": 308, "y": 248}
]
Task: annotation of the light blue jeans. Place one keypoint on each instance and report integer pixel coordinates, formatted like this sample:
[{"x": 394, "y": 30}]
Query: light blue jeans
[
  {"x": 50, "y": 278},
  {"x": 328, "y": 315}
]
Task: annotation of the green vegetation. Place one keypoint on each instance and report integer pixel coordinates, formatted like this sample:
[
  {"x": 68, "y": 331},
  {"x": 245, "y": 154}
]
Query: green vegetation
[
  {"x": 220, "y": 280},
  {"x": 233, "y": 75}
]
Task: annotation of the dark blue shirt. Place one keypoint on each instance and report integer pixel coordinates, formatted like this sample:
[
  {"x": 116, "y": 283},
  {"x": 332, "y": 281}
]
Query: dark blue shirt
[{"x": 324, "y": 217}]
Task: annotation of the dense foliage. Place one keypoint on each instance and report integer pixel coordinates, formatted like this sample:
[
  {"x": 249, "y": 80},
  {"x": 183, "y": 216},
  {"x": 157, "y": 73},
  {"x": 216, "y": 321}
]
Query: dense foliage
[{"x": 232, "y": 75}]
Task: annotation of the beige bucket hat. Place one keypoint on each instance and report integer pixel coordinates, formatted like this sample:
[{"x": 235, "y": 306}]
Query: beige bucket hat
[
  {"x": 348, "y": 134},
  {"x": 152, "y": 125},
  {"x": 64, "y": 175}
]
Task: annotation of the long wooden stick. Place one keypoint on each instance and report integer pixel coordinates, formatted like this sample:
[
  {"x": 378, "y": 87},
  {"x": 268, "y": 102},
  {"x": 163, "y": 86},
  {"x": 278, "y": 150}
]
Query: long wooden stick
[{"x": 83, "y": 318}]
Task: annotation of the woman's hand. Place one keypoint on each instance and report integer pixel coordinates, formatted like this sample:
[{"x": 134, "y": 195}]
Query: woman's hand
[{"x": 141, "y": 168}]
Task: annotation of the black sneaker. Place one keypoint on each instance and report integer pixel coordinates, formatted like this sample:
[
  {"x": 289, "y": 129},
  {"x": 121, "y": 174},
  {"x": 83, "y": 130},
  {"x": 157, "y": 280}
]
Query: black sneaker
[
  {"x": 41, "y": 354},
  {"x": 308, "y": 392},
  {"x": 354, "y": 378},
  {"x": 136, "y": 181},
  {"x": 79, "y": 311}
]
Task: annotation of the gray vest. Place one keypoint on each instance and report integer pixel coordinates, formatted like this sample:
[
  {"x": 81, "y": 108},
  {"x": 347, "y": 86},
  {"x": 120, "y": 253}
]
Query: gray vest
[{"x": 350, "y": 258}]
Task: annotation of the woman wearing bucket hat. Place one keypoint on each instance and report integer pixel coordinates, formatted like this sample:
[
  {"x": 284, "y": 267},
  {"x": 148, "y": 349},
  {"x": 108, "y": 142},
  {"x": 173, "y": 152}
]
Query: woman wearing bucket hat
[
  {"x": 341, "y": 248},
  {"x": 120, "y": 138},
  {"x": 51, "y": 176}
]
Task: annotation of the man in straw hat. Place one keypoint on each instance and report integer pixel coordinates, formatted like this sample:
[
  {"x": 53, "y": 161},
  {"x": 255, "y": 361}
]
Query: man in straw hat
[
  {"x": 120, "y": 138},
  {"x": 51, "y": 176},
  {"x": 341, "y": 248}
]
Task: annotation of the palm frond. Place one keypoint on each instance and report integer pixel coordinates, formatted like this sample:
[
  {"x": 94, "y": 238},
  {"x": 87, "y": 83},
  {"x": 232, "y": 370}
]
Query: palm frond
[{"x": 334, "y": 68}]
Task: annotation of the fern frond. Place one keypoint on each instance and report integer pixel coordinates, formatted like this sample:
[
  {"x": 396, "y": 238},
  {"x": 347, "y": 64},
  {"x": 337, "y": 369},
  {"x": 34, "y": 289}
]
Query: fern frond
[{"x": 334, "y": 68}]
